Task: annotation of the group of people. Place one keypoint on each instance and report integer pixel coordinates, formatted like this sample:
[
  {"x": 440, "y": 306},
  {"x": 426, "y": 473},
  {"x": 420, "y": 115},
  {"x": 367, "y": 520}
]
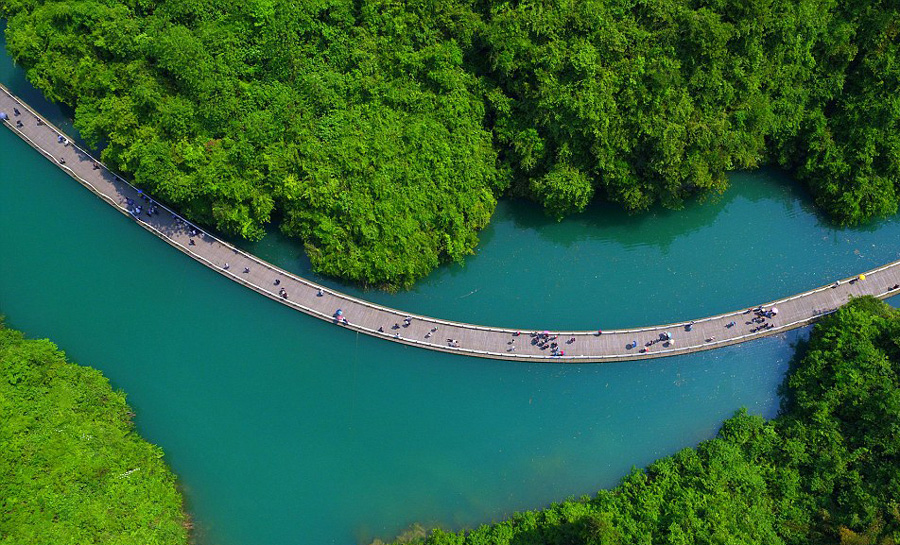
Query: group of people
[
  {"x": 133, "y": 208},
  {"x": 4, "y": 117},
  {"x": 407, "y": 321},
  {"x": 65, "y": 142},
  {"x": 665, "y": 337},
  {"x": 760, "y": 315},
  {"x": 192, "y": 231},
  {"x": 545, "y": 341},
  {"x": 136, "y": 209},
  {"x": 762, "y": 327},
  {"x": 18, "y": 121}
]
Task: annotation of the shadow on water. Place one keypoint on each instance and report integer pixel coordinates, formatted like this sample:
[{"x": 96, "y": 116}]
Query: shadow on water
[
  {"x": 773, "y": 184},
  {"x": 605, "y": 222},
  {"x": 608, "y": 222},
  {"x": 602, "y": 222}
]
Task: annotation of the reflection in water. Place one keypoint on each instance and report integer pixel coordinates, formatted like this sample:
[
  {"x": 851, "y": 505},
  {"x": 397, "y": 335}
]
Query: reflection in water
[
  {"x": 608, "y": 222},
  {"x": 605, "y": 222}
]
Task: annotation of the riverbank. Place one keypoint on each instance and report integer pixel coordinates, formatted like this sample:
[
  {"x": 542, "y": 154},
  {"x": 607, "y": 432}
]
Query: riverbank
[
  {"x": 823, "y": 471},
  {"x": 72, "y": 468},
  {"x": 537, "y": 342}
]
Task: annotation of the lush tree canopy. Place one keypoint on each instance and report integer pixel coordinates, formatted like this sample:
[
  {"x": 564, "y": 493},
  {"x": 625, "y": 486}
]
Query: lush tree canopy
[
  {"x": 653, "y": 101},
  {"x": 72, "y": 469},
  {"x": 827, "y": 470},
  {"x": 381, "y": 133},
  {"x": 354, "y": 125}
]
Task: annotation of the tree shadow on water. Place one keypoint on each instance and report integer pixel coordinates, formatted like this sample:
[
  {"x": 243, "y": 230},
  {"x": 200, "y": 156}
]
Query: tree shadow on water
[
  {"x": 766, "y": 191},
  {"x": 608, "y": 223},
  {"x": 771, "y": 183}
]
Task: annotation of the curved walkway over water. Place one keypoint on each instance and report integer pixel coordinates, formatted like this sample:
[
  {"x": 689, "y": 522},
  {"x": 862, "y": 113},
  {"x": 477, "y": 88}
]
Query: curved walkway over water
[{"x": 422, "y": 331}]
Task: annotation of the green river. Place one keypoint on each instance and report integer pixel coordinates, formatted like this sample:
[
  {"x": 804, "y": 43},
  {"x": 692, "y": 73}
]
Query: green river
[{"x": 287, "y": 430}]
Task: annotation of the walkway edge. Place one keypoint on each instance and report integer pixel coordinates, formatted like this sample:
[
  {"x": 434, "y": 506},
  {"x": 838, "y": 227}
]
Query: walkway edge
[{"x": 393, "y": 314}]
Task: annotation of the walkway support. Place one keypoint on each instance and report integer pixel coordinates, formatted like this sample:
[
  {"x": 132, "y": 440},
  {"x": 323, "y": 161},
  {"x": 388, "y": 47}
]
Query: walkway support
[{"x": 423, "y": 331}]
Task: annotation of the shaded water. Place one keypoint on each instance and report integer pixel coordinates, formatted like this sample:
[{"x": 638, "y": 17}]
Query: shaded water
[
  {"x": 284, "y": 429},
  {"x": 760, "y": 241}
]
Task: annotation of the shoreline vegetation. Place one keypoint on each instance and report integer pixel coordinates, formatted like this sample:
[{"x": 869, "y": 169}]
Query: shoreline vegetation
[
  {"x": 381, "y": 134},
  {"x": 72, "y": 468},
  {"x": 825, "y": 471}
]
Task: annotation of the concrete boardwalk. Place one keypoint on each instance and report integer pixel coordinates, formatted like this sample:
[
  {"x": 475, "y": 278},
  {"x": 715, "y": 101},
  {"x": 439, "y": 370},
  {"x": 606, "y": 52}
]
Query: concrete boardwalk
[{"x": 422, "y": 331}]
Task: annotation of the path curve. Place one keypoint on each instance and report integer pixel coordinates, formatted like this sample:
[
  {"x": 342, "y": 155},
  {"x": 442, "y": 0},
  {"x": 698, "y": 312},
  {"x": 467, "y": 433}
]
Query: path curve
[{"x": 423, "y": 331}]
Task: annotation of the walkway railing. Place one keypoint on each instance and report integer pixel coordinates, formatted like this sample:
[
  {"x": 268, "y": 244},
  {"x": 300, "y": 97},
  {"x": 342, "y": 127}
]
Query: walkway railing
[{"x": 370, "y": 318}]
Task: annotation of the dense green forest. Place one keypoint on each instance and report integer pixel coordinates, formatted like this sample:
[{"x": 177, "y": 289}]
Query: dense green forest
[
  {"x": 381, "y": 132},
  {"x": 826, "y": 471},
  {"x": 72, "y": 469}
]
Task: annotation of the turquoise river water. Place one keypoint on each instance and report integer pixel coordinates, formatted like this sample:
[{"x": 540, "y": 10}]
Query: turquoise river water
[{"x": 287, "y": 430}]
